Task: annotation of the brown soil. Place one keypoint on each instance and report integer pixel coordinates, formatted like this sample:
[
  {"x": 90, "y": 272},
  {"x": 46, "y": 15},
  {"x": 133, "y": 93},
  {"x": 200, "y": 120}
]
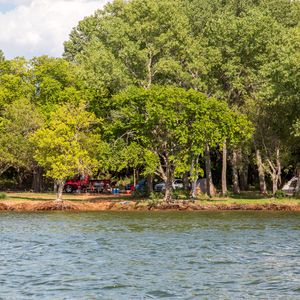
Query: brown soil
[{"x": 32, "y": 206}]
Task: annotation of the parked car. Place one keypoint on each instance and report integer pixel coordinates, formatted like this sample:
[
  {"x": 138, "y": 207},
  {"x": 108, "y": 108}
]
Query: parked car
[
  {"x": 292, "y": 187},
  {"x": 176, "y": 184},
  {"x": 76, "y": 183},
  {"x": 141, "y": 186},
  {"x": 84, "y": 183}
]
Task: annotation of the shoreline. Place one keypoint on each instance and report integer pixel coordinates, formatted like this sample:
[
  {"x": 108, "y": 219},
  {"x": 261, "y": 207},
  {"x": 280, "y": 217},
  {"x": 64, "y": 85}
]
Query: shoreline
[{"x": 131, "y": 205}]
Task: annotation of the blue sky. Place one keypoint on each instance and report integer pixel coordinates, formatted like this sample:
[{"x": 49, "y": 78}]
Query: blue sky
[
  {"x": 4, "y": 7},
  {"x": 39, "y": 27}
]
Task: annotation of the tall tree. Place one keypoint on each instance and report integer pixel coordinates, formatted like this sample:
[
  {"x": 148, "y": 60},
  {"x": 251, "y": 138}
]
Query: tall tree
[
  {"x": 137, "y": 42},
  {"x": 19, "y": 120},
  {"x": 67, "y": 144},
  {"x": 174, "y": 126}
]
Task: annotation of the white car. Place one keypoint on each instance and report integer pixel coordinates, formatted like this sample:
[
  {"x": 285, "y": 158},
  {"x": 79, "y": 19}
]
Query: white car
[
  {"x": 176, "y": 184},
  {"x": 292, "y": 187}
]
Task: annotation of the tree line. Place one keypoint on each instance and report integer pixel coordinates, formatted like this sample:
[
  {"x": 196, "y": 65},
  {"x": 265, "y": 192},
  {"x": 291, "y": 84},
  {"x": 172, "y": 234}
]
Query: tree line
[{"x": 163, "y": 87}]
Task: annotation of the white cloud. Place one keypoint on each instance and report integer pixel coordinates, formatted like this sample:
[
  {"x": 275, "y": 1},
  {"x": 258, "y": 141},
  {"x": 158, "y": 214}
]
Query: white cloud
[{"x": 38, "y": 27}]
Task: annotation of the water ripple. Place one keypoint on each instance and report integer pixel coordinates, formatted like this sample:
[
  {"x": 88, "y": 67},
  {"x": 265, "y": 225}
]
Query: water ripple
[{"x": 205, "y": 255}]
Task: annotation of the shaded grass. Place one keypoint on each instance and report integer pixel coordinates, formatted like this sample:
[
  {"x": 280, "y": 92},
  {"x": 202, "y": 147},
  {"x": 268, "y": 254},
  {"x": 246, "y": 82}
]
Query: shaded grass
[
  {"x": 3, "y": 196},
  {"x": 66, "y": 197},
  {"x": 242, "y": 199}
]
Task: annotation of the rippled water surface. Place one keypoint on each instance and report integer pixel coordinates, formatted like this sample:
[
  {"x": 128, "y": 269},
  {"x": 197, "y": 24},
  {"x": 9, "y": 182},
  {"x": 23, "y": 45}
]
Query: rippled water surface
[{"x": 206, "y": 255}]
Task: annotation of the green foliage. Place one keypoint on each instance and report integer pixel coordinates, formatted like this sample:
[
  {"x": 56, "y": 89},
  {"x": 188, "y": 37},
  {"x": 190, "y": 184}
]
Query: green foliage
[
  {"x": 197, "y": 66},
  {"x": 297, "y": 128},
  {"x": 19, "y": 120},
  {"x": 180, "y": 194},
  {"x": 56, "y": 81},
  {"x": 297, "y": 195},
  {"x": 2, "y": 57},
  {"x": 137, "y": 42},
  {"x": 280, "y": 194},
  {"x": 169, "y": 125},
  {"x": 67, "y": 144},
  {"x": 155, "y": 199},
  {"x": 14, "y": 81}
]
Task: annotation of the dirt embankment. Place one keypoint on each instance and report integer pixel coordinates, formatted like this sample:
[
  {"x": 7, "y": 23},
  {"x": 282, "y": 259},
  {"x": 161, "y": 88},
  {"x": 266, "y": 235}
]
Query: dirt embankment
[{"x": 32, "y": 206}]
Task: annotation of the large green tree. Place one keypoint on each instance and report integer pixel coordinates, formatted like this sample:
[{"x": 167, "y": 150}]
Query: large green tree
[
  {"x": 19, "y": 119},
  {"x": 67, "y": 144},
  {"x": 174, "y": 126},
  {"x": 137, "y": 42}
]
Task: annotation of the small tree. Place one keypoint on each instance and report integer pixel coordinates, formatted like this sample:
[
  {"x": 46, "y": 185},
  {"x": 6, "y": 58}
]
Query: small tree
[{"x": 67, "y": 144}]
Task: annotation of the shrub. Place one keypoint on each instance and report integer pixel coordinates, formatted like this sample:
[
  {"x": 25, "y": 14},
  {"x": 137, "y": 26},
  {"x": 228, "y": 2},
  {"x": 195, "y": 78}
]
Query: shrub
[
  {"x": 181, "y": 194},
  {"x": 3, "y": 196},
  {"x": 155, "y": 198},
  {"x": 280, "y": 194},
  {"x": 297, "y": 195}
]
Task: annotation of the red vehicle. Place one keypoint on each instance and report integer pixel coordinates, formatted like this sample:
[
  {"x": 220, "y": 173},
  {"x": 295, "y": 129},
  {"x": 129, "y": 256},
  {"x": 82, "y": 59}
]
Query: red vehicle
[{"x": 84, "y": 183}]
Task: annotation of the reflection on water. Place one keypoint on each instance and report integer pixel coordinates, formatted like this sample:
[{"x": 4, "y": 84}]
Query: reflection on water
[{"x": 200, "y": 255}]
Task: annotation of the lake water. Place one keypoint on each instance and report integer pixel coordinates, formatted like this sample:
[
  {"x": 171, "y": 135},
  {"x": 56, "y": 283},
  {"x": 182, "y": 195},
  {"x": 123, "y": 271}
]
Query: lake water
[{"x": 200, "y": 255}]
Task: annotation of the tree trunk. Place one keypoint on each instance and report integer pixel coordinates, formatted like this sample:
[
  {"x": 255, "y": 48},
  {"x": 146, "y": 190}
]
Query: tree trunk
[
  {"x": 224, "y": 169},
  {"x": 169, "y": 188},
  {"x": 244, "y": 177},
  {"x": 278, "y": 163},
  {"x": 243, "y": 171},
  {"x": 194, "y": 173},
  {"x": 37, "y": 184},
  {"x": 274, "y": 185},
  {"x": 297, "y": 189},
  {"x": 261, "y": 173},
  {"x": 186, "y": 183},
  {"x": 134, "y": 177},
  {"x": 208, "y": 171},
  {"x": 150, "y": 183},
  {"x": 275, "y": 171},
  {"x": 60, "y": 188},
  {"x": 235, "y": 176}
]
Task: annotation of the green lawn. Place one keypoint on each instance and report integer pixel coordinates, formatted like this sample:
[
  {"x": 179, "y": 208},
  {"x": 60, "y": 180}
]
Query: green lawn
[{"x": 243, "y": 198}]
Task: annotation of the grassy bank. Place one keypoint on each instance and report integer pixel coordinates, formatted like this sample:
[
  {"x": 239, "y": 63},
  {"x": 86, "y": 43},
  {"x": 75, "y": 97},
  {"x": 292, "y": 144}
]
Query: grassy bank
[{"x": 122, "y": 202}]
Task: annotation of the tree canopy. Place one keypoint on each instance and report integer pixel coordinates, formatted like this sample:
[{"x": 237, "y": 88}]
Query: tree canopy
[{"x": 172, "y": 83}]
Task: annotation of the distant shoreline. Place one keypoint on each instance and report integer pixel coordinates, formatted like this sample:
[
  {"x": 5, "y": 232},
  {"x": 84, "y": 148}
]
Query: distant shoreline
[{"x": 179, "y": 205}]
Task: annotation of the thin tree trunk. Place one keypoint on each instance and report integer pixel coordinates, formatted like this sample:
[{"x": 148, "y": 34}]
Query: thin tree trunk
[
  {"x": 274, "y": 185},
  {"x": 37, "y": 184},
  {"x": 208, "y": 171},
  {"x": 60, "y": 188},
  {"x": 243, "y": 170},
  {"x": 169, "y": 188},
  {"x": 261, "y": 173},
  {"x": 195, "y": 176},
  {"x": 150, "y": 183},
  {"x": 244, "y": 176},
  {"x": 186, "y": 184},
  {"x": 235, "y": 176},
  {"x": 149, "y": 71},
  {"x": 275, "y": 171},
  {"x": 134, "y": 177},
  {"x": 297, "y": 189},
  {"x": 224, "y": 169},
  {"x": 278, "y": 163}
]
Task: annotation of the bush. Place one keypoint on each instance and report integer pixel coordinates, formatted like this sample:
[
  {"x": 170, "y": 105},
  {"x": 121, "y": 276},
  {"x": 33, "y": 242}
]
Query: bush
[
  {"x": 181, "y": 194},
  {"x": 138, "y": 194},
  {"x": 280, "y": 194},
  {"x": 297, "y": 195},
  {"x": 155, "y": 198},
  {"x": 3, "y": 196}
]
